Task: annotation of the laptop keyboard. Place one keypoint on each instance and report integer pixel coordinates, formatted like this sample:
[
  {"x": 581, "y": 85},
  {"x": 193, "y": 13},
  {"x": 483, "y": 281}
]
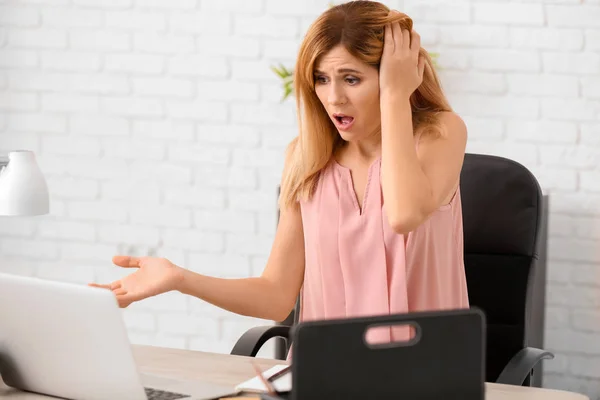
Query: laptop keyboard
[{"x": 155, "y": 394}]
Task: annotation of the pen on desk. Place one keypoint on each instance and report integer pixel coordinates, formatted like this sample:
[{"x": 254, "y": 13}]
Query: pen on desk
[
  {"x": 270, "y": 389},
  {"x": 279, "y": 373}
]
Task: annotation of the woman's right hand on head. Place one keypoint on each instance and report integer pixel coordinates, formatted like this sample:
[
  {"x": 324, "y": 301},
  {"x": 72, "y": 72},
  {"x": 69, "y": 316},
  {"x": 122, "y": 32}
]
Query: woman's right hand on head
[{"x": 153, "y": 276}]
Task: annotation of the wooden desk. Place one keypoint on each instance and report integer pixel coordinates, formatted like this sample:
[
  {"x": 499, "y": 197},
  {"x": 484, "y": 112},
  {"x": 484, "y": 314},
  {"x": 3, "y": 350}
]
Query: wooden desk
[{"x": 231, "y": 370}]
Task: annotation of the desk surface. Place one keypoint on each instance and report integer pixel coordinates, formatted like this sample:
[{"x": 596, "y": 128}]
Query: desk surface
[{"x": 231, "y": 370}]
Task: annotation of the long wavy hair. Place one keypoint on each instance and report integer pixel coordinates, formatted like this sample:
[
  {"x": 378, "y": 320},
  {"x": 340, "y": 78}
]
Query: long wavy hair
[{"x": 359, "y": 27}]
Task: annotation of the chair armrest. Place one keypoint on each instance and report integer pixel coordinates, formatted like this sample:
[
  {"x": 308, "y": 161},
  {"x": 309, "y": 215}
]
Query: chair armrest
[
  {"x": 252, "y": 340},
  {"x": 521, "y": 365}
]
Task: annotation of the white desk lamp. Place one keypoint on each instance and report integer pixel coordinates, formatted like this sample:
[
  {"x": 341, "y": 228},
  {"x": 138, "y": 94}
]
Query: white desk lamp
[{"x": 23, "y": 189}]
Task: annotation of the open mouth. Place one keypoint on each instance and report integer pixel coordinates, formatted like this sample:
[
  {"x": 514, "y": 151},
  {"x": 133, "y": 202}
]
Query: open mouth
[{"x": 343, "y": 120}]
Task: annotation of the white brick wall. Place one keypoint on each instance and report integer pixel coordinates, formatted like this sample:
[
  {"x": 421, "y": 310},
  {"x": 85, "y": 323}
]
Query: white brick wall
[{"x": 160, "y": 129}]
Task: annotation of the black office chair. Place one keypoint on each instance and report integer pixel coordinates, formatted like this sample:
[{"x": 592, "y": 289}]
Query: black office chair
[{"x": 505, "y": 234}]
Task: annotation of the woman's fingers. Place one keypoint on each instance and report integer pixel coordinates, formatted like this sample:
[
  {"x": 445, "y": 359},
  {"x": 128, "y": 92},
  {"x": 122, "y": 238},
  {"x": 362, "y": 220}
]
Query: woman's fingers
[
  {"x": 99, "y": 285},
  {"x": 126, "y": 261},
  {"x": 125, "y": 300},
  {"x": 110, "y": 286},
  {"x": 405, "y": 40},
  {"x": 388, "y": 39},
  {"x": 415, "y": 43},
  {"x": 115, "y": 285},
  {"x": 398, "y": 37}
]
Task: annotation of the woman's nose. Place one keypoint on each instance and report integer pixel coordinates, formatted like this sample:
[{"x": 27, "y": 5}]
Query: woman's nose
[{"x": 336, "y": 95}]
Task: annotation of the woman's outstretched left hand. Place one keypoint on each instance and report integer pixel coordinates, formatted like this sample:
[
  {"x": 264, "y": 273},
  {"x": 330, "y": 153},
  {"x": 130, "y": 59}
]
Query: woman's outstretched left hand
[{"x": 401, "y": 68}]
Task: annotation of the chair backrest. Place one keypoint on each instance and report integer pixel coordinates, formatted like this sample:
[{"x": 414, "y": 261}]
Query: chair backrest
[
  {"x": 505, "y": 222},
  {"x": 504, "y": 217}
]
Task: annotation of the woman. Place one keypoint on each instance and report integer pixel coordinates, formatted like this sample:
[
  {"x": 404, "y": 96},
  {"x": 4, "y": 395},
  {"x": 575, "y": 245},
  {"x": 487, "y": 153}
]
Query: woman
[{"x": 370, "y": 211}]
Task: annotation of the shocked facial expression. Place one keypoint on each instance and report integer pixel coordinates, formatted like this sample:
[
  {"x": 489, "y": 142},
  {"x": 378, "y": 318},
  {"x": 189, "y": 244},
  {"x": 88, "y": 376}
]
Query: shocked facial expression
[{"x": 349, "y": 91}]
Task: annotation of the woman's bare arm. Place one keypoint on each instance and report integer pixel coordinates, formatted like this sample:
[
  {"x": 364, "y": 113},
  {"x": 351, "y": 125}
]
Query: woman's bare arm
[{"x": 272, "y": 295}]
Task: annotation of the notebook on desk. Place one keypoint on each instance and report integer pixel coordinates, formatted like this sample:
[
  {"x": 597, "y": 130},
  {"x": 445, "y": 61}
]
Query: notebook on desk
[
  {"x": 444, "y": 359},
  {"x": 255, "y": 385}
]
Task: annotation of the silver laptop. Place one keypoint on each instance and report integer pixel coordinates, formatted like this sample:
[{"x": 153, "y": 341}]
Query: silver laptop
[{"x": 70, "y": 341}]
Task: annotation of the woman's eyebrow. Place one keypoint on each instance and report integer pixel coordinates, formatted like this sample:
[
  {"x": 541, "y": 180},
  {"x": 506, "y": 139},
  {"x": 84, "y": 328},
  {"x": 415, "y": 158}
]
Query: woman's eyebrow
[
  {"x": 348, "y": 71},
  {"x": 341, "y": 71}
]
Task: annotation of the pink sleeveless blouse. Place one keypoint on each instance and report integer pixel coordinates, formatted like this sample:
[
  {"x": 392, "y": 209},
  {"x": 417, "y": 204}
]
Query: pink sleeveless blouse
[{"x": 357, "y": 265}]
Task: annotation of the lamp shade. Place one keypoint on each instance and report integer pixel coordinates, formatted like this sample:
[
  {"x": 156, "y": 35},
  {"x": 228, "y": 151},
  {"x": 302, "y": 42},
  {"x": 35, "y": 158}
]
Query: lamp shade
[{"x": 23, "y": 189}]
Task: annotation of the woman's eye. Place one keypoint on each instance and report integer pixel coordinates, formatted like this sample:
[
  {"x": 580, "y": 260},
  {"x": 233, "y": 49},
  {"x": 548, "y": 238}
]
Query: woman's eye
[
  {"x": 352, "y": 81},
  {"x": 321, "y": 79}
]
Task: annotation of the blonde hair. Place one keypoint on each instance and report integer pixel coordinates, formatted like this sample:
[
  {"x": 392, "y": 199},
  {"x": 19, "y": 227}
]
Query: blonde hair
[{"x": 359, "y": 27}]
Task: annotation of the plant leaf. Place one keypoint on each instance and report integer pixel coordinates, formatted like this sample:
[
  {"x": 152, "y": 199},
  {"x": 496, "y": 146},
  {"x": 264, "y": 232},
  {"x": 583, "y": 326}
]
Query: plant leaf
[{"x": 279, "y": 72}]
